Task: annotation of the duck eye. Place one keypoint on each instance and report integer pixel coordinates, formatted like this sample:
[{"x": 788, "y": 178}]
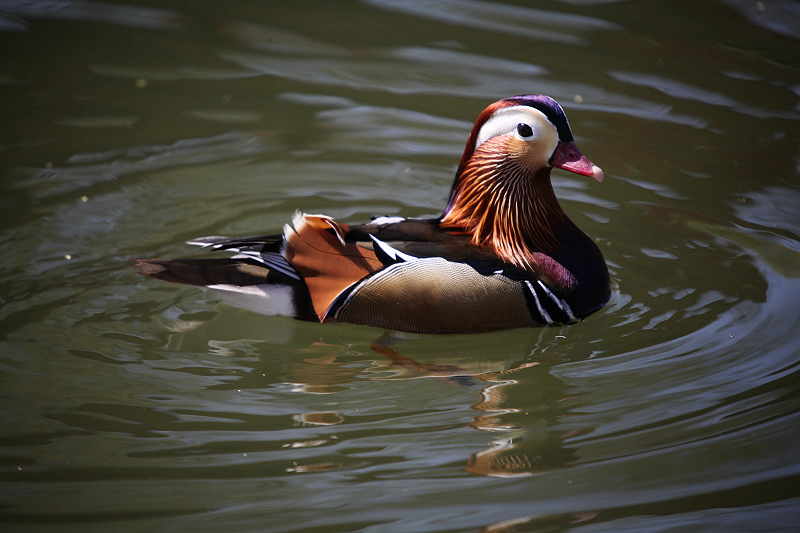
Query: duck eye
[{"x": 524, "y": 130}]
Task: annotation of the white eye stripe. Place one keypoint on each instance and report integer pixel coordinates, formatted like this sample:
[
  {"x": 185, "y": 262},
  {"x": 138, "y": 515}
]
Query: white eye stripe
[{"x": 506, "y": 120}]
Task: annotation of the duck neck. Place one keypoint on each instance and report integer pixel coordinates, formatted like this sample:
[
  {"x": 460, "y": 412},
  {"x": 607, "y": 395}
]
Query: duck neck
[{"x": 507, "y": 207}]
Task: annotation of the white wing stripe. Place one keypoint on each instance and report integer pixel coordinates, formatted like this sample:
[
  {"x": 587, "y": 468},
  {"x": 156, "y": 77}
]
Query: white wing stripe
[
  {"x": 391, "y": 252},
  {"x": 545, "y": 315},
  {"x": 558, "y": 301}
]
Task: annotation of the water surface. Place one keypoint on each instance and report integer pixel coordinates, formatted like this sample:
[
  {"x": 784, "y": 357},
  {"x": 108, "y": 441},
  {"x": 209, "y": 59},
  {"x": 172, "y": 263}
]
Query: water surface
[{"x": 128, "y": 403}]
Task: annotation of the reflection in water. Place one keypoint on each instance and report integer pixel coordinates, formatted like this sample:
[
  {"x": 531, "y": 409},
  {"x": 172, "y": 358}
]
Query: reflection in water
[
  {"x": 529, "y": 442},
  {"x": 521, "y": 401},
  {"x": 323, "y": 374},
  {"x": 523, "y": 412},
  {"x": 538, "y": 419},
  {"x": 128, "y": 406}
]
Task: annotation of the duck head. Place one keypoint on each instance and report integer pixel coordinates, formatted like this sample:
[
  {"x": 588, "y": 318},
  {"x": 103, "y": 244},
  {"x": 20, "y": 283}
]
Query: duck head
[{"x": 502, "y": 194}]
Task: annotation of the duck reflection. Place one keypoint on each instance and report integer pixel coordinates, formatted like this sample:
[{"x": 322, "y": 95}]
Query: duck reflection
[
  {"x": 519, "y": 400},
  {"x": 526, "y": 421},
  {"x": 519, "y": 403}
]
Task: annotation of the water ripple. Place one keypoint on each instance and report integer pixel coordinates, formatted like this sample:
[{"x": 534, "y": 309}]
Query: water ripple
[
  {"x": 85, "y": 10},
  {"x": 506, "y": 19},
  {"x": 86, "y": 169}
]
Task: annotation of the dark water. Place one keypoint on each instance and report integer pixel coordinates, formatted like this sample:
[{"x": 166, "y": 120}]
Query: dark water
[{"x": 130, "y": 404}]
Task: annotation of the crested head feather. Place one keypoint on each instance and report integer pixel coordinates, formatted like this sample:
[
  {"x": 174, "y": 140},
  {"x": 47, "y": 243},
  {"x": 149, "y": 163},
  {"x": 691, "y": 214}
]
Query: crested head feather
[
  {"x": 549, "y": 107},
  {"x": 543, "y": 103},
  {"x": 502, "y": 194}
]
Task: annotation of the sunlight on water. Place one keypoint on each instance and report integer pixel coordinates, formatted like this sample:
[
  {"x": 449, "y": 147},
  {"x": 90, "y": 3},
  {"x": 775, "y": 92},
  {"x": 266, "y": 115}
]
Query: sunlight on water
[{"x": 134, "y": 404}]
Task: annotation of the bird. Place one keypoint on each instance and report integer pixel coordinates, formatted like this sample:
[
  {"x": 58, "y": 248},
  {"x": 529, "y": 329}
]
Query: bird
[{"x": 501, "y": 255}]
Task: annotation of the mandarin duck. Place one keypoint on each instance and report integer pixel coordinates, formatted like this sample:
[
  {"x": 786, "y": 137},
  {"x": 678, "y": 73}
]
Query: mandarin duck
[{"x": 503, "y": 254}]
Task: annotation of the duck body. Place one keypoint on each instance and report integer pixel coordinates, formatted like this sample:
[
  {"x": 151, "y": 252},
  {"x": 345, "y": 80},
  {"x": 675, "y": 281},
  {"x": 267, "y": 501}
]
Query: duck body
[{"x": 502, "y": 254}]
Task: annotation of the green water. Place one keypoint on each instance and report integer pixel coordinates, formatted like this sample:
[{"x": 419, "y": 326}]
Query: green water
[{"x": 130, "y": 404}]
